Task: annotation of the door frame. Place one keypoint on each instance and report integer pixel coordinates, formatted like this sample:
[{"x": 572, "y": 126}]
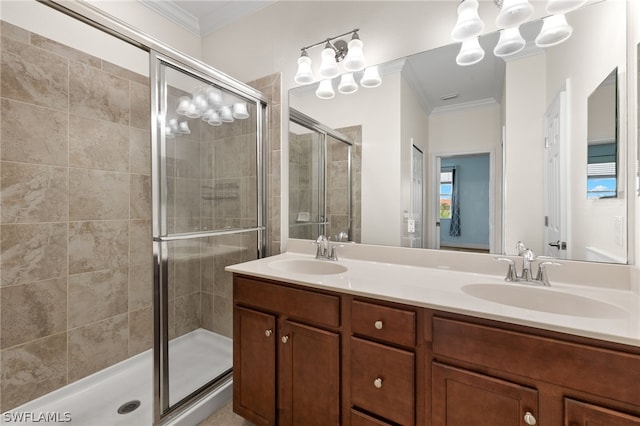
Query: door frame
[{"x": 433, "y": 210}]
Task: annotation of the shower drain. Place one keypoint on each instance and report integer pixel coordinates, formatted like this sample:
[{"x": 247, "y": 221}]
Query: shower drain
[{"x": 128, "y": 407}]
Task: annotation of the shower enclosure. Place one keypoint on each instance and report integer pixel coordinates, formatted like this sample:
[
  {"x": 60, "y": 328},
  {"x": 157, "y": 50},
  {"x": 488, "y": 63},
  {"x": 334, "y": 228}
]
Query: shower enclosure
[
  {"x": 130, "y": 176},
  {"x": 208, "y": 213},
  {"x": 321, "y": 181}
]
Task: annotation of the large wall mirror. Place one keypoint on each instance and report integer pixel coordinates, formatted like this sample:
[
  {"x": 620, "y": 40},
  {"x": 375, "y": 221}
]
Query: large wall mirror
[{"x": 480, "y": 157}]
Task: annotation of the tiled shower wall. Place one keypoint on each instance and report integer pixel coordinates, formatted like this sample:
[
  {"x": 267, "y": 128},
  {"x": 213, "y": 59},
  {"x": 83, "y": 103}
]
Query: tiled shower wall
[
  {"x": 75, "y": 213},
  {"x": 75, "y": 220}
]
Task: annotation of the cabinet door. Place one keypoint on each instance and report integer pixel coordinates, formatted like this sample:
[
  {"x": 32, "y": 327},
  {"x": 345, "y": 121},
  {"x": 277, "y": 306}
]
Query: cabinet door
[
  {"x": 310, "y": 376},
  {"x": 463, "y": 398},
  {"x": 578, "y": 413},
  {"x": 254, "y": 366}
]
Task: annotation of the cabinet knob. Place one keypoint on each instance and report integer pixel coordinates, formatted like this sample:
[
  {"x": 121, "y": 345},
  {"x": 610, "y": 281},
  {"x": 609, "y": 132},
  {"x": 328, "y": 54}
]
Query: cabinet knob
[
  {"x": 285, "y": 339},
  {"x": 378, "y": 325},
  {"x": 268, "y": 333},
  {"x": 529, "y": 418},
  {"x": 377, "y": 383}
]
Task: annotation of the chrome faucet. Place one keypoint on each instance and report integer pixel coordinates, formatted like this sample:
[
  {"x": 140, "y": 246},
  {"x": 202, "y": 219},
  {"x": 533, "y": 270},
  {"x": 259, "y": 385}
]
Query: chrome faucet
[
  {"x": 325, "y": 250},
  {"x": 528, "y": 257}
]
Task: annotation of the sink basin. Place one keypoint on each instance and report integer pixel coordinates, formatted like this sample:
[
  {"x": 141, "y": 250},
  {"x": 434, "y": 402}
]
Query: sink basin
[
  {"x": 311, "y": 267},
  {"x": 544, "y": 300}
]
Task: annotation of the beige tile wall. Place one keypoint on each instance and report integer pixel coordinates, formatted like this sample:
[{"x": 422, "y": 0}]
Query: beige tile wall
[
  {"x": 75, "y": 215},
  {"x": 271, "y": 86}
]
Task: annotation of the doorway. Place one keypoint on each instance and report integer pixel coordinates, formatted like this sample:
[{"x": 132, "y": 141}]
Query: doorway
[{"x": 463, "y": 200}]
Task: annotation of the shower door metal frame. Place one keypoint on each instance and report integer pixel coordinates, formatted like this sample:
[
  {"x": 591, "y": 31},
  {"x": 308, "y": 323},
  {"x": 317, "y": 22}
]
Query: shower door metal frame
[
  {"x": 163, "y": 411},
  {"x": 323, "y": 130}
]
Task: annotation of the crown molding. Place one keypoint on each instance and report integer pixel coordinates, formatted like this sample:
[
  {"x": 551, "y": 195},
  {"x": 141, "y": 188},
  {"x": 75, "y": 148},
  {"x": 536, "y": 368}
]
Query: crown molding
[{"x": 174, "y": 13}]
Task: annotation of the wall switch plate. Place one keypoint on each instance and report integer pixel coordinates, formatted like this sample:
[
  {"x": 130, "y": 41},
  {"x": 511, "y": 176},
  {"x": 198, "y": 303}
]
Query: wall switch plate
[{"x": 411, "y": 225}]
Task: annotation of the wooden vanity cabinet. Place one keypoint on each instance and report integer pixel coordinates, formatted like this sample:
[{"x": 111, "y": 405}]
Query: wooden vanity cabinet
[
  {"x": 383, "y": 368},
  {"x": 286, "y": 354},
  {"x": 462, "y": 397},
  {"x": 484, "y": 371},
  {"x": 311, "y": 357}
]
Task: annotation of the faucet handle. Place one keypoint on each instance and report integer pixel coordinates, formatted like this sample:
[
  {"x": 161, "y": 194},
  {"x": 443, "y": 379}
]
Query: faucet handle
[
  {"x": 542, "y": 272},
  {"x": 323, "y": 245},
  {"x": 511, "y": 271}
]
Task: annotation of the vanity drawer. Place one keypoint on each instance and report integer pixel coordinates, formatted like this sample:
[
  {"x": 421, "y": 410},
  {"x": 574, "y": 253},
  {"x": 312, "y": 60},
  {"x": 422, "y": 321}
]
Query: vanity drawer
[
  {"x": 572, "y": 365},
  {"x": 302, "y": 305},
  {"x": 391, "y": 325},
  {"x": 383, "y": 380}
]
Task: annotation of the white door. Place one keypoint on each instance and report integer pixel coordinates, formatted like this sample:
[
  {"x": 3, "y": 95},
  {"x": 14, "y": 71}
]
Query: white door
[
  {"x": 555, "y": 188},
  {"x": 416, "y": 216}
]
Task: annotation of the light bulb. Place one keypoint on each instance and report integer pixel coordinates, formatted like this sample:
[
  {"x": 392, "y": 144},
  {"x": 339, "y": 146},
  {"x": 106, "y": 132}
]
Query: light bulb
[
  {"x": 470, "y": 52},
  {"x": 304, "y": 74},
  {"x": 347, "y": 84},
  {"x": 555, "y": 30},
  {"x": 510, "y": 42},
  {"x": 354, "y": 61},
  {"x": 513, "y": 12},
  {"x": 469, "y": 23},
  {"x": 329, "y": 66},
  {"x": 325, "y": 90},
  {"x": 371, "y": 77}
]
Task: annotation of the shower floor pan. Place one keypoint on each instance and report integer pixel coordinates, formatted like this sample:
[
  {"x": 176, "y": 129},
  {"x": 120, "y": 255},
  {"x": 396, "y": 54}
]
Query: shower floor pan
[{"x": 195, "y": 358}]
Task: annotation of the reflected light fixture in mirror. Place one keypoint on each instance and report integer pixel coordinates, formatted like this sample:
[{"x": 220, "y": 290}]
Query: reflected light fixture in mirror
[
  {"x": 347, "y": 84},
  {"x": 469, "y": 23},
  {"x": 371, "y": 77},
  {"x": 513, "y": 13},
  {"x": 510, "y": 42},
  {"x": 470, "y": 52},
  {"x": 325, "y": 90},
  {"x": 555, "y": 30},
  {"x": 335, "y": 51}
]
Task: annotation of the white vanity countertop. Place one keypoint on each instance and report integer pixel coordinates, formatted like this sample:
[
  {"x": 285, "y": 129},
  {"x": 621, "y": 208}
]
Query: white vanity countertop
[{"x": 441, "y": 288}]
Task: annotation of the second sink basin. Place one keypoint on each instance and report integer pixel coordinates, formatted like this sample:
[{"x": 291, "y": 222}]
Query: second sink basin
[
  {"x": 311, "y": 267},
  {"x": 544, "y": 300}
]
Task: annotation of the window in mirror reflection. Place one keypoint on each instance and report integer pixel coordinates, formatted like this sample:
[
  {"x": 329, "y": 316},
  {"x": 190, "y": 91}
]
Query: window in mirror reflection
[
  {"x": 602, "y": 149},
  {"x": 446, "y": 191}
]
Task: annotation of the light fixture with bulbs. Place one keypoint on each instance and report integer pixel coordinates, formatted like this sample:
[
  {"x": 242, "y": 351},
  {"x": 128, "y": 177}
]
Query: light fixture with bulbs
[
  {"x": 513, "y": 13},
  {"x": 205, "y": 102},
  {"x": 336, "y": 50}
]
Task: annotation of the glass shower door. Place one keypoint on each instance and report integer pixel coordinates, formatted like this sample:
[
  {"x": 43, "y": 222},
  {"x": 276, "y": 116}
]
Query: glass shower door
[{"x": 207, "y": 214}]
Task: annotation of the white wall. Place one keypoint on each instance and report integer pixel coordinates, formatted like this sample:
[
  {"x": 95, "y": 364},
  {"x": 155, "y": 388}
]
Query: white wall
[
  {"x": 525, "y": 105},
  {"x": 414, "y": 131},
  {"x": 592, "y": 221}
]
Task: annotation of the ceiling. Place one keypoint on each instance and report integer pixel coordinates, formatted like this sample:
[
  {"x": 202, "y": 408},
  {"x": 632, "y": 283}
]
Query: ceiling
[{"x": 203, "y": 17}]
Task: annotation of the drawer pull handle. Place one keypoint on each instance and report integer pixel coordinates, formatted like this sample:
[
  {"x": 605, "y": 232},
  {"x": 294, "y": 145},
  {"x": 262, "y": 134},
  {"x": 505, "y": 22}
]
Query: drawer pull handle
[
  {"x": 285, "y": 339},
  {"x": 378, "y": 325},
  {"x": 268, "y": 333},
  {"x": 529, "y": 419},
  {"x": 377, "y": 383}
]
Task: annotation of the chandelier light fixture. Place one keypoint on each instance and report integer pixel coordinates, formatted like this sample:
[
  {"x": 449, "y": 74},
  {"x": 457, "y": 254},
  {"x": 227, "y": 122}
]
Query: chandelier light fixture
[
  {"x": 513, "y": 13},
  {"x": 336, "y": 51}
]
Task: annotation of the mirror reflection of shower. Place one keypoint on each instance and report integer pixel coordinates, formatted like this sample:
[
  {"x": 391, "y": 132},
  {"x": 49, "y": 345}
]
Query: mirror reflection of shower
[{"x": 324, "y": 180}]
